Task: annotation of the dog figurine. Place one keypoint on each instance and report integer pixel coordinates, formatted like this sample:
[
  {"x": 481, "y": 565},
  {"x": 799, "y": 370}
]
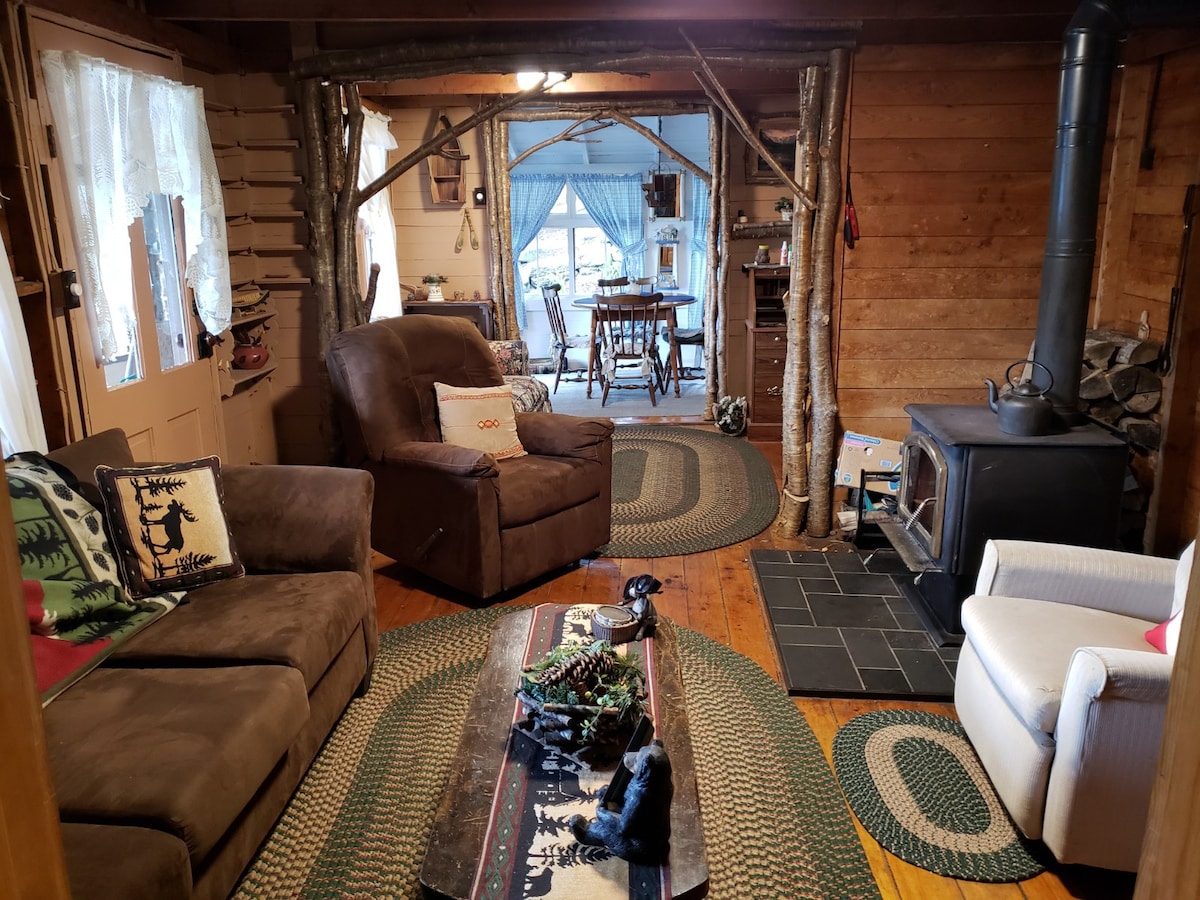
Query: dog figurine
[
  {"x": 639, "y": 829},
  {"x": 637, "y": 597}
]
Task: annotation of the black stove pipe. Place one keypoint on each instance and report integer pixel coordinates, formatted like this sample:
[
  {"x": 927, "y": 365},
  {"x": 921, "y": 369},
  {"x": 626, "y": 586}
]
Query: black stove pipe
[
  {"x": 1088, "y": 60},
  {"x": 1089, "y": 57}
]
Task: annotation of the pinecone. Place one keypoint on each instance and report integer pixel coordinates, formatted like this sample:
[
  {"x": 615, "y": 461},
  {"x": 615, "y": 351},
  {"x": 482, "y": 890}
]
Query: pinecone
[{"x": 580, "y": 672}]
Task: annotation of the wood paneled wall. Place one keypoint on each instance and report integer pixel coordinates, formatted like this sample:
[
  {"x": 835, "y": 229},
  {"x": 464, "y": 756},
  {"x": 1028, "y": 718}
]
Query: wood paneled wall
[
  {"x": 950, "y": 150},
  {"x": 1143, "y": 242}
]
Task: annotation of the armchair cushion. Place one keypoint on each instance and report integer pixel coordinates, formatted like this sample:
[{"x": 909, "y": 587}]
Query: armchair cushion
[
  {"x": 534, "y": 487},
  {"x": 481, "y": 418},
  {"x": 1026, "y": 648}
]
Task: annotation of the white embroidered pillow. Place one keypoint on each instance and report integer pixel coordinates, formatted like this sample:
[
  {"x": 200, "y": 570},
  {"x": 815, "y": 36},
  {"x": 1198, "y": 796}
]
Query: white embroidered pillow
[{"x": 481, "y": 418}]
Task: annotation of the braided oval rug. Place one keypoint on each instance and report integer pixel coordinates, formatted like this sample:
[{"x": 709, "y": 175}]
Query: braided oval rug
[
  {"x": 686, "y": 490},
  {"x": 916, "y": 785},
  {"x": 775, "y": 824}
]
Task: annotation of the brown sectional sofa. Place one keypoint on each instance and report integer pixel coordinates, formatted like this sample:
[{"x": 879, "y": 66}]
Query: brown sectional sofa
[{"x": 172, "y": 760}]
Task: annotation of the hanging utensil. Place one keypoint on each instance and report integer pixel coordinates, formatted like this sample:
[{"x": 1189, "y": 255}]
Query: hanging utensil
[
  {"x": 458, "y": 242},
  {"x": 471, "y": 226}
]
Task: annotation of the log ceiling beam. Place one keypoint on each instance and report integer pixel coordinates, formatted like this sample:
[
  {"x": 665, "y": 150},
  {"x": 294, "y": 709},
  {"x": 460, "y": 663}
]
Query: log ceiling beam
[{"x": 465, "y": 12}]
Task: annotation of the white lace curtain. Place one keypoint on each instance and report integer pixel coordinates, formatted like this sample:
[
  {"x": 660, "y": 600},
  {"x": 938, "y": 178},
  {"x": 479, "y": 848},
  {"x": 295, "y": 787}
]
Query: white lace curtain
[
  {"x": 375, "y": 222},
  {"x": 125, "y": 135}
]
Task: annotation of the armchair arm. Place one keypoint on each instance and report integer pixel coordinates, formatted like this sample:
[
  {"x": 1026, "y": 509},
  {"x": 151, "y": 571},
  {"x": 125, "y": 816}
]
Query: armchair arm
[
  {"x": 445, "y": 459},
  {"x": 1125, "y": 583},
  {"x": 1108, "y": 736},
  {"x": 552, "y": 434}
]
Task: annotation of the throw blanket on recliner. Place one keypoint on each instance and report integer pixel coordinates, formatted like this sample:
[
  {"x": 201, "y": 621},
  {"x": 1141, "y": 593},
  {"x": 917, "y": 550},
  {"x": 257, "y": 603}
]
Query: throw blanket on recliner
[{"x": 78, "y": 610}]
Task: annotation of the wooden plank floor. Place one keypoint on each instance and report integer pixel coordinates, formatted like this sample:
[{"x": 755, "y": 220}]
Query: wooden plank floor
[{"x": 714, "y": 593}]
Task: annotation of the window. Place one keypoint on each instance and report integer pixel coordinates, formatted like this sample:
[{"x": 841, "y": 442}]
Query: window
[{"x": 569, "y": 250}]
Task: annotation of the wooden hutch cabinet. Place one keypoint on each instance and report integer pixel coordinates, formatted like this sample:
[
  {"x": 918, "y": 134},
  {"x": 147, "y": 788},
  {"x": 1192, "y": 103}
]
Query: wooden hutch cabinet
[{"x": 766, "y": 349}]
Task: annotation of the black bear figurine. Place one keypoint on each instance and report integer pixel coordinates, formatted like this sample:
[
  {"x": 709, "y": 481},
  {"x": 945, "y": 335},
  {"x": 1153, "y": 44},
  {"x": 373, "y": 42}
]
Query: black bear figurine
[{"x": 639, "y": 830}]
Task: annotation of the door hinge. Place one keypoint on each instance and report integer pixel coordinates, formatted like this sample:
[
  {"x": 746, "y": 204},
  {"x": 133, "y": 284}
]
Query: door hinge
[{"x": 51, "y": 142}]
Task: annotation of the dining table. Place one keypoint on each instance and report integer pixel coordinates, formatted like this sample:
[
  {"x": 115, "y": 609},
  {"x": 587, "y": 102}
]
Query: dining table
[{"x": 666, "y": 313}]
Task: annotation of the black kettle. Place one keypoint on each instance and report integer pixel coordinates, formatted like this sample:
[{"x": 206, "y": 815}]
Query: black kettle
[{"x": 1025, "y": 410}]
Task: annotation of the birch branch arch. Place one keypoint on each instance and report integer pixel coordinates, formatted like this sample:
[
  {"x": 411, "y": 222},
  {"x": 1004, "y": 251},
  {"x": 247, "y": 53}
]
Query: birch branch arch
[{"x": 332, "y": 118}]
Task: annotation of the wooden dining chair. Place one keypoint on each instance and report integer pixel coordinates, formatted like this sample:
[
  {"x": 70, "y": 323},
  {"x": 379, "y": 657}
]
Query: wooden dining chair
[
  {"x": 612, "y": 286},
  {"x": 628, "y": 326},
  {"x": 560, "y": 340}
]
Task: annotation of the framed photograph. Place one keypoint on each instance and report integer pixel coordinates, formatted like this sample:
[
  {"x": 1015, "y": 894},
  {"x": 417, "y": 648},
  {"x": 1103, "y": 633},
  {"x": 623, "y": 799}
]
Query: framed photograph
[{"x": 779, "y": 135}]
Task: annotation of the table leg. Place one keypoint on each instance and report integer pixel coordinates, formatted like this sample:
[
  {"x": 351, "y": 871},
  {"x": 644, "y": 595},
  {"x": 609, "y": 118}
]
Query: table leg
[
  {"x": 674, "y": 361},
  {"x": 591, "y": 355}
]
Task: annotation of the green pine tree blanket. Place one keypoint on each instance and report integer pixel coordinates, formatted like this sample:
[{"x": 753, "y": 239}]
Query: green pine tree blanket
[{"x": 77, "y": 609}]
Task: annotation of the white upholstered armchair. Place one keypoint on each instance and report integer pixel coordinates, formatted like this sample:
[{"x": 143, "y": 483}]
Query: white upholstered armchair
[{"x": 1062, "y": 695}]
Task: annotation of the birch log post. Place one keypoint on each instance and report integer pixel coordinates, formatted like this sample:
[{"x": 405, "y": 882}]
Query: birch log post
[
  {"x": 829, "y": 207},
  {"x": 717, "y": 314},
  {"x": 345, "y": 216},
  {"x": 320, "y": 225},
  {"x": 716, "y": 271},
  {"x": 794, "y": 504}
]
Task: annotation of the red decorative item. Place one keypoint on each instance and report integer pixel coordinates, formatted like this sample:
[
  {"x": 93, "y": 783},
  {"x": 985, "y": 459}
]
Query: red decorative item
[{"x": 249, "y": 356}]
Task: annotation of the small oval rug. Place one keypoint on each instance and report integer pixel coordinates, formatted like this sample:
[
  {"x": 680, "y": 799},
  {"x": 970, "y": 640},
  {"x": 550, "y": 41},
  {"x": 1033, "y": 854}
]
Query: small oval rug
[
  {"x": 686, "y": 490},
  {"x": 916, "y": 785}
]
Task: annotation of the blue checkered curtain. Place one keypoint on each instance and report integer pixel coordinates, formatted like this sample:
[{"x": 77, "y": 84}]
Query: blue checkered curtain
[
  {"x": 531, "y": 199},
  {"x": 615, "y": 204},
  {"x": 698, "y": 269}
]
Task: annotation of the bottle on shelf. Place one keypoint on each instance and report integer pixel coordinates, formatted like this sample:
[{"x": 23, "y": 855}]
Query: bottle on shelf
[
  {"x": 763, "y": 256},
  {"x": 784, "y": 255}
]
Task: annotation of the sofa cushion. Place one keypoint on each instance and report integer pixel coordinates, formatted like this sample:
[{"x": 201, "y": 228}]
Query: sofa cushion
[
  {"x": 1026, "y": 647},
  {"x": 534, "y": 487},
  {"x": 180, "y": 750},
  {"x": 125, "y": 862},
  {"x": 301, "y": 621},
  {"x": 168, "y": 525}
]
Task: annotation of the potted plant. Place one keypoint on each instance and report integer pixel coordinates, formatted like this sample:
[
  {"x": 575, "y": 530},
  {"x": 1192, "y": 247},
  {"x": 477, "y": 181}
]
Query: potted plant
[
  {"x": 783, "y": 206},
  {"x": 730, "y": 415},
  {"x": 435, "y": 283}
]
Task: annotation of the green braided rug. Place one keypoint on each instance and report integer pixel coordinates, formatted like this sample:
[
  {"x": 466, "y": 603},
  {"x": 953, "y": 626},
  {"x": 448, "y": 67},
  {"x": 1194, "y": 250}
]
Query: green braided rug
[
  {"x": 686, "y": 490},
  {"x": 917, "y": 786},
  {"x": 774, "y": 821}
]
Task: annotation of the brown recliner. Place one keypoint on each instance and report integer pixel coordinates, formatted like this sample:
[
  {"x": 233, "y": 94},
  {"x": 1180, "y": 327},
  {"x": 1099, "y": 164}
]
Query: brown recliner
[{"x": 473, "y": 522}]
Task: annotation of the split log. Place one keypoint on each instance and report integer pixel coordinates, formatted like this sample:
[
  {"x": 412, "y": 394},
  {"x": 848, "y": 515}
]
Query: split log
[
  {"x": 1094, "y": 384},
  {"x": 1130, "y": 350},
  {"x": 1142, "y": 403},
  {"x": 1106, "y": 411},
  {"x": 1099, "y": 354},
  {"x": 1125, "y": 380}
]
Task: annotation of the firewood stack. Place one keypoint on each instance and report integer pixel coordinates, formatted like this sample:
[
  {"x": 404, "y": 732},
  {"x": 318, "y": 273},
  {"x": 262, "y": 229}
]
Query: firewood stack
[
  {"x": 1123, "y": 390},
  {"x": 1121, "y": 386}
]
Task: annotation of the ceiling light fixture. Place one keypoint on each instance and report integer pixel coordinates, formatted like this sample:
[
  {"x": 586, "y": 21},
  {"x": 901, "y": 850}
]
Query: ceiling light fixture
[{"x": 526, "y": 80}]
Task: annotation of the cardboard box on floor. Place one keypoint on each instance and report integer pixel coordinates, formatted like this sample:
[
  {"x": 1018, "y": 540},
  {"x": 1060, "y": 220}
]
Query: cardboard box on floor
[{"x": 861, "y": 452}]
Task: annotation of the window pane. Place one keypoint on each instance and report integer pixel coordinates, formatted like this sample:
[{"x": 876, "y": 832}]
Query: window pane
[
  {"x": 560, "y": 205},
  {"x": 545, "y": 261},
  {"x": 596, "y": 257},
  {"x": 166, "y": 283}
]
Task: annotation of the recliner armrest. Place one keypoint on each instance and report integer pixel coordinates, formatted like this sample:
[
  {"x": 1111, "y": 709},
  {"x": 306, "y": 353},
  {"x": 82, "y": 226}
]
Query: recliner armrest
[
  {"x": 553, "y": 434},
  {"x": 1125, "y": 583},
  {"x": 446, "y": 459},
  {"x": 1108, "y": 736}
]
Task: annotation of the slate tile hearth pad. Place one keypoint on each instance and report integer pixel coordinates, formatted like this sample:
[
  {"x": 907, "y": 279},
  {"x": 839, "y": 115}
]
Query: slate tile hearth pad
[{"x": 844, "y": 629}]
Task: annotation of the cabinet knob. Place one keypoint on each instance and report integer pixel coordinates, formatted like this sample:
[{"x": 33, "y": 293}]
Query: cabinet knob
[
  {"x": 776, "y": 362},
  {"x": 775, "y": 391},
  {"x": 777, "y": 338}
]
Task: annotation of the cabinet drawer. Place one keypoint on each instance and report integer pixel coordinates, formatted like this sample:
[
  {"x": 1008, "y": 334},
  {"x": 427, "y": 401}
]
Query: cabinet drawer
[
  {"x": 766, "y": 407},
  {"x": 771, "y": 340}
]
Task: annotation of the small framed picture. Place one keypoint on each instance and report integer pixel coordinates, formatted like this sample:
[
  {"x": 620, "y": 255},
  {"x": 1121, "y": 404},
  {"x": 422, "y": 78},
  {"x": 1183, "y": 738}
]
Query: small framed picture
[{"x": 779, "y": 134}]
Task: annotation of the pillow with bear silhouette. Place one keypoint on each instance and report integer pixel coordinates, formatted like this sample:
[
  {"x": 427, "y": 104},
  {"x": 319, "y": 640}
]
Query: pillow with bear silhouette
[{"x": 168, "y": 525}]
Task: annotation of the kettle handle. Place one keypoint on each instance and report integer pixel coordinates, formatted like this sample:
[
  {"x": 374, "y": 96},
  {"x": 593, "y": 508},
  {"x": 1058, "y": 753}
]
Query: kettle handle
[{"x": 1032, "y": 362}]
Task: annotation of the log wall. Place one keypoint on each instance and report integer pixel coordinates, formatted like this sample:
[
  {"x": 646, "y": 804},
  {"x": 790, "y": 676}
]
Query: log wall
[{"x": 950, "y": 150}]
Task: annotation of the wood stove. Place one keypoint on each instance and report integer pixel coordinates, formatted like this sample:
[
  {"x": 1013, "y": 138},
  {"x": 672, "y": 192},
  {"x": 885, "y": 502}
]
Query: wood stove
[{"x": 964, "y": 481}]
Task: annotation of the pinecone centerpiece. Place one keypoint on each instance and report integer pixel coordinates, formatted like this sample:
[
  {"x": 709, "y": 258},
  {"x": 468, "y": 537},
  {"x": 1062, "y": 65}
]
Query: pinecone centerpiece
[{"x": 583, "y": 700}]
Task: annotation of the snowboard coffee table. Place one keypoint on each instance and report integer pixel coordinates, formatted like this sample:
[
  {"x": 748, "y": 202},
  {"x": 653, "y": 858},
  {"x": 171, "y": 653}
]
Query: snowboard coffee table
[{"x": 501, "y": 829}]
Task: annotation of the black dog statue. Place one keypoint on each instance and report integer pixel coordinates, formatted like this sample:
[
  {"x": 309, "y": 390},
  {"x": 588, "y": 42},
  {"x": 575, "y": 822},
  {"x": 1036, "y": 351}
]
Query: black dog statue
[
  {"x": 639, "y": 829},
  {"x": 637, "y": 596}
]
